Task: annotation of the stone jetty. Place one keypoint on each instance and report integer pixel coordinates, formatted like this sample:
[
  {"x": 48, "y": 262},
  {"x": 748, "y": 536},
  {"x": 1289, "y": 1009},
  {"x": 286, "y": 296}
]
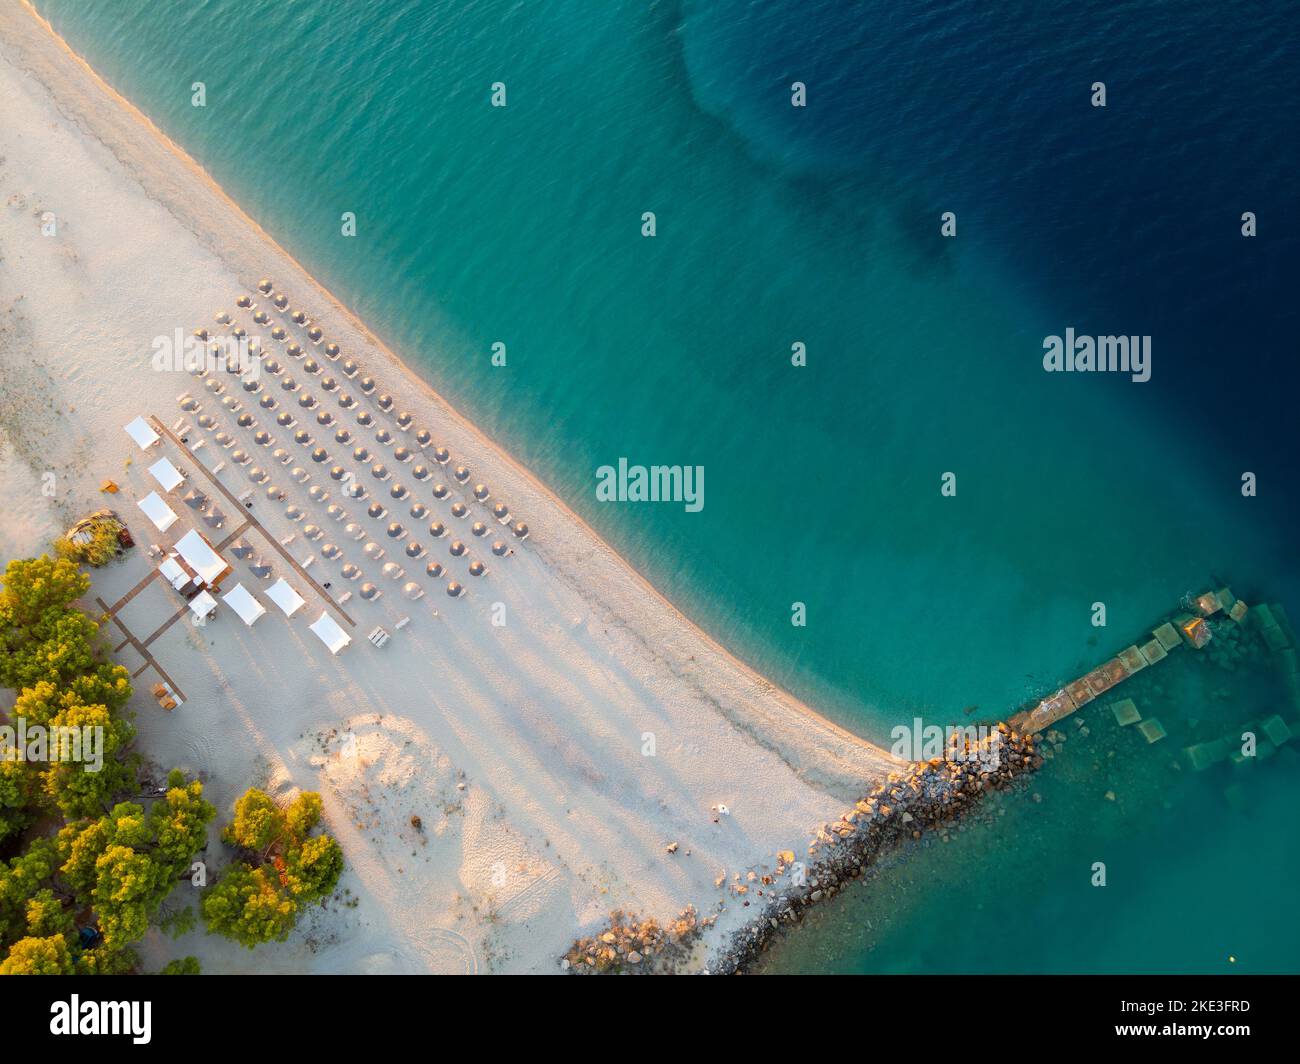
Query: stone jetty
[
  {"x": 1192, "y": 628},
  {"x": 937, "y": 794},
  {"x": 928, "y": 795}
]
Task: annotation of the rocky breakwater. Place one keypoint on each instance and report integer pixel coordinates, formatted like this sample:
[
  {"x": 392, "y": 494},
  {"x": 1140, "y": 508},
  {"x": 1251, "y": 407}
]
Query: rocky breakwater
[
  {"x": 629, "y": 946},
  {"x": 933, "y": 795}
]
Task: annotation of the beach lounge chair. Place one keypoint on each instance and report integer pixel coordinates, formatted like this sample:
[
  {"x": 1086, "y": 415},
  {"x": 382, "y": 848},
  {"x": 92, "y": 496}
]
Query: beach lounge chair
[{"x": 164, "y": 696}]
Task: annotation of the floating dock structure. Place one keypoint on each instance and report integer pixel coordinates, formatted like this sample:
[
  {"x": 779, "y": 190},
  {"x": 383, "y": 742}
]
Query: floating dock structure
[{"x": 1192, "y": 628}]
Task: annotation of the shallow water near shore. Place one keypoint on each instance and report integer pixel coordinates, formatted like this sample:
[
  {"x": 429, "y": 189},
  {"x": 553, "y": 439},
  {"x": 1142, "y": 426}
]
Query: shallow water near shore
[{"x": 522, "y": 226}]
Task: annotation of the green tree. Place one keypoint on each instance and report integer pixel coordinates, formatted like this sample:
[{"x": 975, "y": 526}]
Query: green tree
[
  {"x": 258, "y": 824},
  {"x": 99, "y": 549},
  {"x": 39, "y": 956},
  {"x": 248, "y": 905},
  {"x": 87, "y": 787},
  {"x": 181, "y": 966},
  {"x": 314, "y": 868},
  {"x": 42, "y": 637},
  {"x": 19, "y": 794},
  {"x": 32, "y": 587},
  {"x": 47, "y": 916},
  {"x": 282, "y": 870},
  {"x": 126, "y": 863},
  {"x": 21, "y": 879}
]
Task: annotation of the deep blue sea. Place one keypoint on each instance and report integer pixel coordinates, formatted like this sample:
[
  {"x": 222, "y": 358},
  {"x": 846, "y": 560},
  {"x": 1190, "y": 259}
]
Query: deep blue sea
[{"x": 820, "y": 225}]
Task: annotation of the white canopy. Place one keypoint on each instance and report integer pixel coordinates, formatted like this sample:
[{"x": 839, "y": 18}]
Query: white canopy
[
  {"x": 329, "y": 633},
  {"x": 157, "y": 511},
  {"x": 166, "y": 474},
  {"x": 143, "y": 434},
  {"x": 199, "y": 556},
  {"x": 243, "y": 603},
  {"x": 285, "y": 597},
  {"x": 202, "y": 604},
  {"x": 174, "y": 574}
]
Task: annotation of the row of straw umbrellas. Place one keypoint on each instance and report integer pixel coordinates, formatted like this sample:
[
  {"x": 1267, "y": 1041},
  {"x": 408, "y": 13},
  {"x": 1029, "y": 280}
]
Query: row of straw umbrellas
[
  {"x": 285, "y": 419},
  {"x": 404, "y": 420},
  {"x": 313, "y": 533}
]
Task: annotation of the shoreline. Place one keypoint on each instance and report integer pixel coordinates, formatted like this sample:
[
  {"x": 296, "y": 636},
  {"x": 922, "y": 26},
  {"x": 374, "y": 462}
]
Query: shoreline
[
  {"x": 181, "y": 156},
  {"x": 587, "y": 816}
]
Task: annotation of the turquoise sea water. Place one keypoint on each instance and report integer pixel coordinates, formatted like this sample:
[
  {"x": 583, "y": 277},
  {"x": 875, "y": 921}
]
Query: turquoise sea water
[{"x": 820, "y": 225}]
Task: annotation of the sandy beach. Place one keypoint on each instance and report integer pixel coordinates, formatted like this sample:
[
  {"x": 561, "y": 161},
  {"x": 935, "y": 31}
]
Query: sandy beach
[{"x": 551, "y": 760}]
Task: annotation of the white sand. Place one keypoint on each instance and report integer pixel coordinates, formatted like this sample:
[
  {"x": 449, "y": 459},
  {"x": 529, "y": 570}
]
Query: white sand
[{"x": 561, "y": 817}]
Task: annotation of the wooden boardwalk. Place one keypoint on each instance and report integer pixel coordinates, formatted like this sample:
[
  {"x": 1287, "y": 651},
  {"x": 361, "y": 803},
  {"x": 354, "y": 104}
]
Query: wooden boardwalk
[
  {"x": 1189, "y": 628},
  {"x": 251, "y": 521},
  {"x": 142, "y": 648}
]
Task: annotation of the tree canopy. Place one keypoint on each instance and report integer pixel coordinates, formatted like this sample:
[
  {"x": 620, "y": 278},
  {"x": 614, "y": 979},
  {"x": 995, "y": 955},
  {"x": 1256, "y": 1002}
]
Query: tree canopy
[
  {"x": 281, "y": 870},
  {"x": 111, "y": 863}
]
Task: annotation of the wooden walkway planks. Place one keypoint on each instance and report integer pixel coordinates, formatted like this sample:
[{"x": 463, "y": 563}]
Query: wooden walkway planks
[
  {"x": 252, "y": 521},
  {"x": 150, "y": 660}
]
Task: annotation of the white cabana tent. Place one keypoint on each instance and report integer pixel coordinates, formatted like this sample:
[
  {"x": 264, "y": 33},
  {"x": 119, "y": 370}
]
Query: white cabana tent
[
  {"x": 243, "y": 603},
  {"x": 157, "y": 511},
  {"x": 329, "y": 633},
  {"x": 207, "y": 564},
  {"x": 174, "y": 573},
  {"x": 143, "y": 434},
  {"x": 166, "y": 474},
  {"x": 285, "y": 597},
  {"x": 203, "y": 605}
]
